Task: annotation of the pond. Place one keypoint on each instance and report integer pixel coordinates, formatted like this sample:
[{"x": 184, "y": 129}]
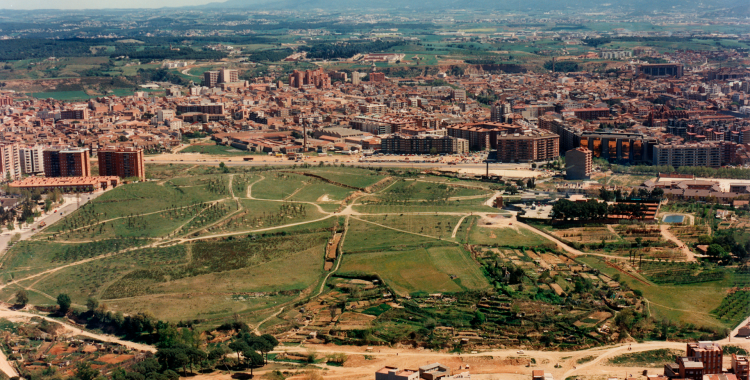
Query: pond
[{"x": 674, "y": 218}]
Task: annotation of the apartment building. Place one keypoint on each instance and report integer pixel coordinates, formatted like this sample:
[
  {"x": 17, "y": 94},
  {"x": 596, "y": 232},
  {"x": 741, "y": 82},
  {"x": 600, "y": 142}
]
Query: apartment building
[
  {"x": 578, "y": 164},
  {"x": 423, "y": 144},
  {"x": 66, "y": 162},
  {"x": 209, "y": 108},
  {"x": 74, "y": 114},
  {"x": 528, "y": 146},
  {"x": 32, "y": 159},
  {"x": 741, "y": 367},
  {"x": 121, "y": 162},
  {"x": 708, "y": 353},
  {"x": 211, "y": 78},
  {"x": 310, "y": 78},
  {"x": 661, "y": 70},
  {"x": 695, "y": 154},
  {"x": 481, "y": 136},
  {"x": 499, "y": 111},
  {"x": 10, "y": 161}
]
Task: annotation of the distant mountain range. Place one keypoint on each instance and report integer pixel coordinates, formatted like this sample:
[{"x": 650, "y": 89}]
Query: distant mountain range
[{"x": 705, "y": 6}]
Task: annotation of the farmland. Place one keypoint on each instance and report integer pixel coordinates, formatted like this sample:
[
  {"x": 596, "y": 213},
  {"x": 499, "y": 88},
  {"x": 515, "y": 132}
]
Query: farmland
[{"x": 353, "y": 249}]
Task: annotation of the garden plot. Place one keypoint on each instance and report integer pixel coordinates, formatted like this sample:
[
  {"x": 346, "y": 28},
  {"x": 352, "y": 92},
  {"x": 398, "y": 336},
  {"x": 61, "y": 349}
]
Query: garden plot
[{"x": 586, "y": 235}]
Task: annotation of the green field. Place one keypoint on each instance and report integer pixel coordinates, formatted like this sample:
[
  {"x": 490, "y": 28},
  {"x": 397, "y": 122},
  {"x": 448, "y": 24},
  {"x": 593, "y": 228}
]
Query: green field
[
  {"x": 437, "y": 269},
  {"x": 215, "y": 149}
]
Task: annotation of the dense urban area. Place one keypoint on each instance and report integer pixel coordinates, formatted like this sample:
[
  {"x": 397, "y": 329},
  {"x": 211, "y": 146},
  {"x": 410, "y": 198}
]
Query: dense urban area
[{"x": 313, "y": 191}]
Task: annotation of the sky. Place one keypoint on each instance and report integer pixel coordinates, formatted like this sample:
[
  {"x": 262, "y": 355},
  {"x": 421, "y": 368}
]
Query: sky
[{"x": 95, "y": 4}]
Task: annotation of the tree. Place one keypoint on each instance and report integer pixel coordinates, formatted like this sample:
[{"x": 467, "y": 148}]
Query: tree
[
  {"x": 253, "y": 359},
  {"x": 92, "y": 303},
  {"x": 433, "y": 151},
  {"x": 63, "y": 301},
  {"x": 85, "y": 372},
  {"x": 22, "y": 298}
]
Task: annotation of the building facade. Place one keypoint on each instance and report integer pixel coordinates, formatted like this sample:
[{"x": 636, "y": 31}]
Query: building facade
[
  {"x": 528, "y": 146},
  {"x": 578, "y": 164},
  {"x": 32, "y": 159},
  {"x": 423, "y": 144},
  {"x": 121, "y": 162},
  {"x": 696, "y": 154},
  {"x": 66, "y": 162},
  {"x": 10, "y": 161}
]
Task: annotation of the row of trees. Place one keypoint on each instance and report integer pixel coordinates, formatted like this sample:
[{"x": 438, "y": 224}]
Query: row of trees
[
  {"x": 346, "y": 50},
  {"x": 592, "y": 209}
]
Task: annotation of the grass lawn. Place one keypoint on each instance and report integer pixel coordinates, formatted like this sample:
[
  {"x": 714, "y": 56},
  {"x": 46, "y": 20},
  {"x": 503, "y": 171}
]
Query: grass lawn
[
  {"x": 458, "y": 206},
  {"x": 356, "y": 177},
  {"x": 368, "y": 237},
  {"x": 215, "y": 149},
  {"x": 315, "y": 191},
  {"x": 278, "y": 185},
  {"x": 504, "y": 236},
  {"x": 420, "y": 270},
  {"x": 436, "y": 226}
]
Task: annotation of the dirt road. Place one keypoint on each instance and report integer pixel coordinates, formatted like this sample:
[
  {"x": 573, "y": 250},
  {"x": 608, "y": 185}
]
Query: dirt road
[{"x": 71, "y": 330}]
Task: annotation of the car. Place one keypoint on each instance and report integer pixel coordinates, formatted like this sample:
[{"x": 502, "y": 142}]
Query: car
[{"x": 520, "y": 352}]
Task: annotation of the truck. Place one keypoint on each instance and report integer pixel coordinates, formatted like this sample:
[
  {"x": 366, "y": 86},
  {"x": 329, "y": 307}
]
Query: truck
[{"x": 247, "y": 158}]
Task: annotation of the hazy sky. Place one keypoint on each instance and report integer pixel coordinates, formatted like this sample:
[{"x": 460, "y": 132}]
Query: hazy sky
[{"x": 96, "y": 4}]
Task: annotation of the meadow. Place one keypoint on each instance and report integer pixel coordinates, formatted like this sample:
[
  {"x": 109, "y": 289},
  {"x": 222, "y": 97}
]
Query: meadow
[{"x": 209, "y": 244}]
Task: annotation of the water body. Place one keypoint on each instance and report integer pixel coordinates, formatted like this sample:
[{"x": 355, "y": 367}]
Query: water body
[{"x": 674, "y": 218}]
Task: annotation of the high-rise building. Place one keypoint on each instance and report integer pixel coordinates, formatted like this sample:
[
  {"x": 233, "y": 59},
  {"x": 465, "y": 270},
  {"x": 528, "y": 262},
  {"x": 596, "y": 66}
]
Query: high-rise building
[
  {"x": 661, "y": 70},
  {"x": 211, "y": 78},
  {"x": 499, "y": 110},
  {"x": 121, "y": 162},
  {"x": 741, "y": 367},
  {"x": 32, "y": 159},
  {"x": 228, "y": 76},
  {"x": 708, "y": 353},
  {"x": 578, "y": 163},
  {"x": 696, "y": 154},
  {"x": 357, "y": 77},
  {"x": 528, "y": 146},
  {"x": 75, "y": 114},
  {"x": 10, "y": 161},
  {"x": 66, "y": 162},
  {"x": 314, "y": 78}
]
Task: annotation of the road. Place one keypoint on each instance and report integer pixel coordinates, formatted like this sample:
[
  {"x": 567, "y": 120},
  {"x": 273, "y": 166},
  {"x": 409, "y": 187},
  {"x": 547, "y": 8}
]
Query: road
[
  {"x": 259, "y": 161},
  {"x": 71, "y": 204}
]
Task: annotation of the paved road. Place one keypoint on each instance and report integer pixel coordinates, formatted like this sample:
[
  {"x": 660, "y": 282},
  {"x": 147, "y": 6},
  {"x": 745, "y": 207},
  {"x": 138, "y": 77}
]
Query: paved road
[
  {"x": 71, "y": 204},
  {"x": 427, "y": 165}
]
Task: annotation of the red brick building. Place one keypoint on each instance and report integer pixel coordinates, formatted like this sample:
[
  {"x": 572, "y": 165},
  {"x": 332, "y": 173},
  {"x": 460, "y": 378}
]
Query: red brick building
[
  {"x": 66, "y": 162},
  {"x": 708, "y": 353},
  {"x": 121, "y": 162},
  {"x": 528, "y": 146}
]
